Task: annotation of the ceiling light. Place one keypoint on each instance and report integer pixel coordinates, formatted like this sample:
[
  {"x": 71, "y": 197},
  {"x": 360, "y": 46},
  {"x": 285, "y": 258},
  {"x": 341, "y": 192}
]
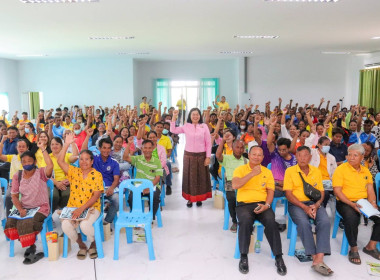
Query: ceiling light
[
  {"x": 256, "y": 37},
  {"x": 299, "y": 1},
  {"x": 236, "y": 52},
  {"x": 133, "y": 53},
  {"x": 112, "y": 38},
  {"x": 31, "y": 55},
  {"x": 336, "y": 52},
  {"x": 375, "y": 38},
  {"x": 57, "y": 1}
]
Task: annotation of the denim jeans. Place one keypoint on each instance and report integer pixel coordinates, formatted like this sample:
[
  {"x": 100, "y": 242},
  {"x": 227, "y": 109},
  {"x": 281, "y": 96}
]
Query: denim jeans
[
  {"x": 113, "y": 207},
  {"x": 322, "y": 222}
]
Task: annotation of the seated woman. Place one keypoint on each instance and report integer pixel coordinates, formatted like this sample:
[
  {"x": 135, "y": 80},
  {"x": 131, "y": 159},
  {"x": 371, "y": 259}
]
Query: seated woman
[
  {"x": 87, "y": 187},
  {"x": 28, "y": 131},
  {"x": 61, "y": 183},
  {"x": 352, "y": 182},
  {"x": 32, "y": 188},
  {"x": 44, "y": 140}
]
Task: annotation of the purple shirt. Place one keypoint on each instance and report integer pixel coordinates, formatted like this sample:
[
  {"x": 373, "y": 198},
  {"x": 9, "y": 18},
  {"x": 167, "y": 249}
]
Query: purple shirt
[
  {"x": 267, "y": 157},
  {"x": 279, "y": 165}
]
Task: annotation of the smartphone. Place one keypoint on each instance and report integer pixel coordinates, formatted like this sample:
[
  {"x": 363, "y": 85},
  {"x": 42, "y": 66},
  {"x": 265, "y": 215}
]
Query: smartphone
[{"x": 258, "y": 208}]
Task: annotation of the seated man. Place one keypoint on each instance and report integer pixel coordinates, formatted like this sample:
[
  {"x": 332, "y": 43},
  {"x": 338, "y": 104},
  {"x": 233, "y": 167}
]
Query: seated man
[
  {"x": 352, "y": 182},
  {"x": 255, "y": 185},
  {"x": 301, "y": 209},
  {"x": 147, "y": 167},
  {"x": 230, "y": 163}
]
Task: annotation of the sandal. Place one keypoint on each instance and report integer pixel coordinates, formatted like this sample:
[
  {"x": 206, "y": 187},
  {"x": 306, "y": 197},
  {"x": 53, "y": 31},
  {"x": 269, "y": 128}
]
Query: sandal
[
  {"x": 373, "y": 253},
  {"x": 93, "y": 254},
  {"x": 323, "y": 269},
  {"x": 31, "y": 250},
  {"x": 82, "y": 253},
  {"x": 33, "y": 258},
  {"x": 354, "y": 256}
]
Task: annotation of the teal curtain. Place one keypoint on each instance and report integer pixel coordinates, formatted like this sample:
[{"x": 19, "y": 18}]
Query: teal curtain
[
  {"x": 162, "y": 92},
  {"x": 34, "y": 104},
  {"x": 208, "y": 91}
]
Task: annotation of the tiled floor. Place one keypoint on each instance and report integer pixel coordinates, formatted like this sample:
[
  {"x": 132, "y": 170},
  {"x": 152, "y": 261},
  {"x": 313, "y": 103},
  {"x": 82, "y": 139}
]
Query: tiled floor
[{"x": 191, "y": 245}]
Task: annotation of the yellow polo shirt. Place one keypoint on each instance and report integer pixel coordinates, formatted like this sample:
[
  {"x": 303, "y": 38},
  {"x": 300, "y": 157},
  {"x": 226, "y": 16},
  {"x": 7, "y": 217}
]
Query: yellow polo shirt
[
  {"x": 223, "y": 106},
  {"x": 165, "y": 142},
  {"x": 353, "y": 182},
  {"x": 293, "y": 181},
  {"x": 144, "y": 106},
  {"x": 68, "y": 126},
  {"x": 255, "y": 190},
  {"x": 323, "y": 167}
]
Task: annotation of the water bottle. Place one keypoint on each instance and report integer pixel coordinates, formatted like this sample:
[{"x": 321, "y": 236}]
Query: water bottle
[{"x": 257, "y": 246}]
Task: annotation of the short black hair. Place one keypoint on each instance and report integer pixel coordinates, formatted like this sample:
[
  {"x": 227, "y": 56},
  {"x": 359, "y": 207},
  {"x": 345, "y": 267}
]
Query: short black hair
[
  {"x": 146, "y": 141},
  {"x": 302, "y": 148},
  {"x": 28, "y": 154},
  {"x": 58, "y": 110},
  {"x": 58, "y": 140},
  {"x": 200, "y": 115},
  {"x": 150, "y": 132},
  {"x": 322, "y": 139},
  {"x": 87, "y": 152},
  {"x": 284, "y": 141},
  {"x": 337, "y": 130},
  {"x": 106, "y": 140},
  {"x": 367, "y": 121},
  {"x": 12, "y": 128},
  {"x": 24, "y": 113}
]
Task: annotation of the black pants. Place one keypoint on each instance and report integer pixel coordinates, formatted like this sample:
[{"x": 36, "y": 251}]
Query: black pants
[
  {"x": 327, "y": 197},
  {"x": 231, "y": 198},
  {"x": 351, "y": 221},
  {"x": 247, "y": 217},
  {"x": 8, "y": 202},
  {"x": 5, "y": 167},
  {"x": 156, "y": 200}
]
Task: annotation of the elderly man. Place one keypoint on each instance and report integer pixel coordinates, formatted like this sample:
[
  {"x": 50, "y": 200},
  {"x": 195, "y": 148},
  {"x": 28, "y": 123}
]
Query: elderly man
[
  {"x": 302, "y": 209},
  {"x": 255, "y": 185},
  {"x": 351, "y": 182}
]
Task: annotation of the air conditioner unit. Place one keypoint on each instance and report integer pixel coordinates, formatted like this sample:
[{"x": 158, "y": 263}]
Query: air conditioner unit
[{"x": 372, "y": 65}]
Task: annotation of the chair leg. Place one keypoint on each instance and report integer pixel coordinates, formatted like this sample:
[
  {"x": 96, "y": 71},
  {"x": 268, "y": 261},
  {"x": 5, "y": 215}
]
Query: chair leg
[
  {"x": 98, "y": 240},
  {"x": 336, "y": 226},
  {"x": 274, "y": 204},
  {"x": 344, "y": 249},
  {"x": 129, "y": 234},
  {"x": 43, "y": 239},
  {"x": 12, "y": 248},
  {"x": 116, "y": 243},
  {"x": 289, "y": 228},
  {"x": 149, "y": 240},
  {"x": 102, "y": 229},
  {"x": 237, "y": 249},
  {"x": 260, "y": 232},
  {"x": 226, "y": 214},
  {"x": 293, "y": 240},
  {"x": 65, "y": 245},
  {"x": 159, "y": 217},
  {"x": 50, "y": 223},
  {"x": 285, "y": 207},
  {"x": 163, "y": 195}
]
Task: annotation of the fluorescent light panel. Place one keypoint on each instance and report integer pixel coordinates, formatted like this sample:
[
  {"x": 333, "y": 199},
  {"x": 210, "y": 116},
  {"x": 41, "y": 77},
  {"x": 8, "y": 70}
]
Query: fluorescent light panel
[
  {"x": 236, "y": 52},
  {"x": 256, "y": 36},
  {"x": 336, "y": 52},
  {"x": 112, "y": 38},
  {"x": 56, "y": 1},
  {"x": 306, "y": 1},
  {"x": 375, "y": 38},
  {"x": 133, "y": 53},
  {"x": 31, "y": 55}
]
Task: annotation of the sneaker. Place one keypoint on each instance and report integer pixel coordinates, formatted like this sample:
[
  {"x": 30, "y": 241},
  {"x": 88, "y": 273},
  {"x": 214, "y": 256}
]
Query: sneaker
[
  {"x": 233, "y": 228},
  {"x": 199, "y": 203},
  {"x": 168, "y": 190},
  {"x": 243, "y": 265}
]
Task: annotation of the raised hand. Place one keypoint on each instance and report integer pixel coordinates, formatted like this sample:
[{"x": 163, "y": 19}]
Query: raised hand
[
  {"x": 257, "y": 118},
  {"x": 90, "y": 131},
  {"x": 175, "y": 113},
  {"x": 70, "y": 137}
]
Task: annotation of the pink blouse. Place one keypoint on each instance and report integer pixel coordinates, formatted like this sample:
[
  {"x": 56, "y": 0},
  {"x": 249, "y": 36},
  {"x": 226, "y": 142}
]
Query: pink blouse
[{"x": 198, "y": 137}]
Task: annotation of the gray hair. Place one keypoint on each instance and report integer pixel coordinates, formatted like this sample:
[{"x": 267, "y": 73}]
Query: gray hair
[{"x": 357, "y": 147}]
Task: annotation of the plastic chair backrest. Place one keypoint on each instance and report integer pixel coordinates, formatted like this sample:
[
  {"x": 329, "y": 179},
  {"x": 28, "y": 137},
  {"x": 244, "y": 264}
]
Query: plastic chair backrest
[
  {"x": 222, "y": 180},
  {"x": 269, "y": 166},
  {"x": 94, "y": 149},
  {"x": 50, "y": 185},
  {"x": 4, "y": 184},
  {"x": 136, "y": 186},
  {"x": 377, "y": 182}
]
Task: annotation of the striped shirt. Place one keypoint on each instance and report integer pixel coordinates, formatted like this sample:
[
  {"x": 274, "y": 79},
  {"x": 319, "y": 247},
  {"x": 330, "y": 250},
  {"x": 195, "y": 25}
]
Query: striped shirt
[{"x": 147, "y": 169}]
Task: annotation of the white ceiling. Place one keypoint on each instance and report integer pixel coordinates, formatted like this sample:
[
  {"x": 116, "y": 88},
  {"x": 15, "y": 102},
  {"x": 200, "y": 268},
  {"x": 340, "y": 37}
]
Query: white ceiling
[{"x": 171, "y": 29}]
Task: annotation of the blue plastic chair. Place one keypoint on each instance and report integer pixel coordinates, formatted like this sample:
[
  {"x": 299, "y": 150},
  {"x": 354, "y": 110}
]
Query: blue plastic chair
[
  {"x": 377, "y": 182},
  {"x": 172, "y": 156},
  {"x": 47, "y": 225},
  {"x": 94, "y": 150},
  {"x": 163, "y": 194},
  {"x": 260, "y": 236},
  {"x": 283, "y": 200},
  {"x": 344, "y": 247},
  {"x": 269, "y": 166},
  {"x": 99, "y": 233},
  {"x": 4, "y": 185},
  {"x": 135, "y": 218}
]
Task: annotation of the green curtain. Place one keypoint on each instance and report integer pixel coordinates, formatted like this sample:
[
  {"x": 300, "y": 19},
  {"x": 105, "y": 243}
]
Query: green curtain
[
  {"x": 34, "y": 104},
  {"x": 208, "y": 91},
  {"x": 369, "y": 88},
  {"x": 162, "y": 92}
]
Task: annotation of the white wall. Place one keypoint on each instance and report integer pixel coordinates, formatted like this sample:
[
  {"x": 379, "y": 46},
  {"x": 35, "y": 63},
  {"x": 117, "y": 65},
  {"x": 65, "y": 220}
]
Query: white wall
[
  {"x": 96, "y": 81},
  {"x": 303, "y": 77},
  {"x": 9, "y": 83},
  {"x": 226, "y": 70}
]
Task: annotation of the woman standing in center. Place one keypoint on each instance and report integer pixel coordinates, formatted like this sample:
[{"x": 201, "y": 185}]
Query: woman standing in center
[{"x": 196, "y": 184}]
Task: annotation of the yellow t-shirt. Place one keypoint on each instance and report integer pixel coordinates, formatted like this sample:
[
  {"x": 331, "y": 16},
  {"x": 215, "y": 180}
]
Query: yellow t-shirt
[
  {"x": 68, "y": 126},
  {"x": 181, "y": 105},
  {"x": 223, "y": 106},
  {"x": 352, "y": 182},
  {"x": 59, "y": 175},
  {"x": 293, "y": 181},
  {"x": 15, "y": 164},
  {"x": 255, "y": 190},
  {"x": 81, "y": 190},
  {"x": 323, "y": 167},
  {"x": 144, "y": 106},
  {"x": 40, "y": 159},
  {"x": 165, "y": 142}
]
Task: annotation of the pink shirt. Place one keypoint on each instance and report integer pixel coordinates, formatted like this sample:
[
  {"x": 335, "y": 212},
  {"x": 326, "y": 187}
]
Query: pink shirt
[
  {"x": 198, "y": 139},
  {"x": 34, "y": 191}
]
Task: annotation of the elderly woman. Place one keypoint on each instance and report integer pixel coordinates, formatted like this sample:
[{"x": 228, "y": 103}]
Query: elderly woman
[
  {"x": 31, "y": 185},
  {"x": 351, "y": 182},
  {"x": 86, "y": 187}
]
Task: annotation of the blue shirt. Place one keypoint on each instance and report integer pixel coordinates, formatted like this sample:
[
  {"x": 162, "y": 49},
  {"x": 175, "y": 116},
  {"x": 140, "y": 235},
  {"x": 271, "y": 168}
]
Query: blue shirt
[
  {"x": 108, "y": 168},
  {"x": 10, "y": 148},
  {"x": 58, "y": 131},
  {"x": 338, "y": 151}
]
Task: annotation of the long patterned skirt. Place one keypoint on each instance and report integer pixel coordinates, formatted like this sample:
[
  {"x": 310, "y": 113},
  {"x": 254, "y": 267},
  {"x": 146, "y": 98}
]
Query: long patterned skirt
[{"x": 196, "y": 184}]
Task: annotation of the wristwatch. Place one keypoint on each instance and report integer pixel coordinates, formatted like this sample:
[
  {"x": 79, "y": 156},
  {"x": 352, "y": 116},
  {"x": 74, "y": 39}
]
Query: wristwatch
[{"x": 267, "y": 204}]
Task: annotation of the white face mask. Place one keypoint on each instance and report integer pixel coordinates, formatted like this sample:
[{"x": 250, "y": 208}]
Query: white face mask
[
  {"x": 325, "y": 149},
  {"x": 242, "y": 127}
]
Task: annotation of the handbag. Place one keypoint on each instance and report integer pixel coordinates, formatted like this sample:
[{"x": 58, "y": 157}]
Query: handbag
[{"x": 312, "y": 193}]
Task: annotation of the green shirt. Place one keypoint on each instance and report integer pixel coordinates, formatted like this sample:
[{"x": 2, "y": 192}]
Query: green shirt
[
  {"x": 230, "y": 163},
  {"x": 147, "y": 169}
]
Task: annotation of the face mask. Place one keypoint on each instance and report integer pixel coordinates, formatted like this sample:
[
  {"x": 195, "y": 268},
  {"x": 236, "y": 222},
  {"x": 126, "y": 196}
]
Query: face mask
[
  {"x": 26, "y": 130},
  {"x": 325, "y": 149},
  {"x": 364, "y": 118},
  {"x": 29, "y": 167},
  {"x": 165, "y": 131},
  {"x": 77, "y": 131},
  {"x": 242, "y": 127}
]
